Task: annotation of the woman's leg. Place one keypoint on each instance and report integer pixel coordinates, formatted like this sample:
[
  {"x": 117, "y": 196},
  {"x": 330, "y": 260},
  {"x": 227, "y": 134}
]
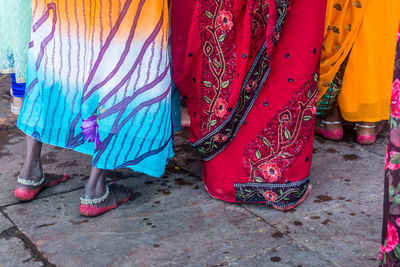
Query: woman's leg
[
  {"x": 331, "y": 128},
  {"x": 31, "y": 179},
  {"x": 100, "y": 197}
]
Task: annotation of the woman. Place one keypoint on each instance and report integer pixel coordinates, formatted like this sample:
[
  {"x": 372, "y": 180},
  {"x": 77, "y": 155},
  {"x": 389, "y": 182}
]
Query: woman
[
  {"x": 390, "y": 248},
  {"x": 98, "y": 83},
  {"x": 356, "y": 67},
  {"x": 248, "y": 71},
  {"x": 15, "y": 25}
]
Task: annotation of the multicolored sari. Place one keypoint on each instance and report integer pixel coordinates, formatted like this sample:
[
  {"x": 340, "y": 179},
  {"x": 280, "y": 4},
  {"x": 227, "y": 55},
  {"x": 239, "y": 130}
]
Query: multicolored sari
[
  {"x": 248, "y": 71},
  {"x": 390, "y": 248},
  {"x": 99, "y": 81}
]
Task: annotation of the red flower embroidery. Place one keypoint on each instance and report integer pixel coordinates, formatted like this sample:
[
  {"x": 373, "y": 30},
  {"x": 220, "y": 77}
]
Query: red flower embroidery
[
  {"x": 392, "y": 238},
  {"x": 285, "y": 116},
  {"x": 250, "y": 86},
  {"x": 270, "y": 172},
  {"x": 225, "y": 20},
  {"x": 220, "y": 138},
  {"x": 382, "y": 252},
  {"x": 395, "y": 105},
  {"x": 314, "y": 110},
  {"x": 221, "y": 108},
  {"x": 270, "y": 196}
]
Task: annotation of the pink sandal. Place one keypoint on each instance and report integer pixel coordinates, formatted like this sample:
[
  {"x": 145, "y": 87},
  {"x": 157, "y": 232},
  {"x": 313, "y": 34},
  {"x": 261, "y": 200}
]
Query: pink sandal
[
  {"x": 27, "y": 193},
  {"x": 367, "y": 139},
  {"x": 88, "y": 206},
  {"x": 334, "y": 135}
]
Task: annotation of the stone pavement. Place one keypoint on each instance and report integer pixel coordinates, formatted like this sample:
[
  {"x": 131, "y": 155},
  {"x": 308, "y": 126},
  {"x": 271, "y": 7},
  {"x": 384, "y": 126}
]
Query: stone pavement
[{"x": 172, "y": 221}]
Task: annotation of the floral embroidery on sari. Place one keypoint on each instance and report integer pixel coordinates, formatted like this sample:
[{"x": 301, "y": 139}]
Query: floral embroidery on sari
[
  {"x": 220, "y": 123},
  {"x": 294, "y": 125}
]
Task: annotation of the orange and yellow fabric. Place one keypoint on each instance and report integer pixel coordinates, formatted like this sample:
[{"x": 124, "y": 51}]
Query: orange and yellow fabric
[{"x": 357, "y": 59}]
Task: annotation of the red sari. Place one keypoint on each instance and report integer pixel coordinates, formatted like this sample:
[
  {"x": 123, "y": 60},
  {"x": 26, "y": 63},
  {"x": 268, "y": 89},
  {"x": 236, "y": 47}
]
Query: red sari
[{"x": 248, "y": 71}]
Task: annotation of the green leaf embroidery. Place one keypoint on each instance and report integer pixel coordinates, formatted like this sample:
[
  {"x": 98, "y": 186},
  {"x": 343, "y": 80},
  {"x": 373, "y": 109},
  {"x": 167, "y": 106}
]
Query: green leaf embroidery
[
  {"x": 225, "y": 84},
  {"x": 209, "y": 14},
  {"x": 259, "y": 179},
  {"x": 213, "y": 122},
  {"x": 266, "y": 142},
  {"x": 258, "y": 154},
  {"x": 207, "y": 84},
  {"x": 221, "y": 38},
  {"x": 216, "y": 63},
  {"x": 206, "y": 99},
  {"x": 287, "y": 134},
  {"x": 307, "y": 118}
]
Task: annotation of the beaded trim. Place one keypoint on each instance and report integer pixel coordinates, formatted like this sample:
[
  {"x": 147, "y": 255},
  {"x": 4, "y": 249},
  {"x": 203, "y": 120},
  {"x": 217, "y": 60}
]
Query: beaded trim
[
  {"x": 30, "y": 182},
  {"x": 89, "y": 201}
]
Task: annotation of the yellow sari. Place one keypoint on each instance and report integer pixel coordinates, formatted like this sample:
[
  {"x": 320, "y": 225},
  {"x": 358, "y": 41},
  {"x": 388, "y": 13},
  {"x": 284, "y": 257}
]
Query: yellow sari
[{"x": 357, "y": 59}]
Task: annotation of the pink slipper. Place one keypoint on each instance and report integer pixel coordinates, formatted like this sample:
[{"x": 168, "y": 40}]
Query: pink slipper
[
  {"x": 367, "y": 139},
  {"x": 334, "y": 135},
  {"x": 27, "y": 194},
  {"x": 88, "y": 207}
]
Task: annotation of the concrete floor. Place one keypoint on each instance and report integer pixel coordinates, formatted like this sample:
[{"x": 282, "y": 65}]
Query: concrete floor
[{"x": 172, "y": 221}]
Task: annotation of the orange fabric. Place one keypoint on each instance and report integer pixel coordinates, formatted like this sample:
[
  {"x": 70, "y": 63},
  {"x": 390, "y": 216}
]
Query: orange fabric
[
  {"x": 366, "y": 90},
  {"x": 370, "y": 40}
]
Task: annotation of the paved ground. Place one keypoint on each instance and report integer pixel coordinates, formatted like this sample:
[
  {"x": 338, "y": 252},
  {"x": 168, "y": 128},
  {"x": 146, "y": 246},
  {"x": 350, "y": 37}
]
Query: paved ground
[{"x": 173, "y": 221}]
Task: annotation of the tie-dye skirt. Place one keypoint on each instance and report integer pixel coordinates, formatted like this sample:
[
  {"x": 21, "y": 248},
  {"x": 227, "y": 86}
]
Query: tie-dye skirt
[{"x": 99, "y": 81}]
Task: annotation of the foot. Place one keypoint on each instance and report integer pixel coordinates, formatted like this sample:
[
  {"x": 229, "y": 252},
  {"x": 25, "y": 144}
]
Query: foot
[
  {"x": 113, "y": 196},
  {"x": 367, "y": 132},
  {"x": 298, "y": 203},
  {"x": 331, "y": 128},
  {"x": 28, "y": 189},
  {"x": 16, "y": 104},
  {"x": 185, "y": 118}
]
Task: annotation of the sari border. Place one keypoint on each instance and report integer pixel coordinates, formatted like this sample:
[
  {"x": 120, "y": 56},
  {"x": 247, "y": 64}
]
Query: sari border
[
  {"x": 280, "y": 195},
  {"x": 235, "y": 112}
]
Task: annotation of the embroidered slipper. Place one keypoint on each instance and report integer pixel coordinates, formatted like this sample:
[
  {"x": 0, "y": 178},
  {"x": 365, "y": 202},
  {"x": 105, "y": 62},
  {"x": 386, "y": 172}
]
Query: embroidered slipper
[
  {"x": 298, "y": 203},
  {"x": 334, "y": 134},
  {"x": 367, "y": 139},
  {"x": 91, "y": 208},
  {"x": 31, "y": 189}
]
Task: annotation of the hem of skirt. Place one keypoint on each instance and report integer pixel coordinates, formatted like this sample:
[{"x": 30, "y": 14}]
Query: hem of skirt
[
  {"x": 132, "y": 167},
  {"x": 303, "y": 183},
  {"x": 383, "y": 118}
]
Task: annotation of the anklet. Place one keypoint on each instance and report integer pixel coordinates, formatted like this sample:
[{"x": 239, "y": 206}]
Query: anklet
[
  {"x": 364, "y": 126},
  {"x": 30, "y": 182},
  {"x": 331, "y": 122},
  {"x": 89, "y": 201}
]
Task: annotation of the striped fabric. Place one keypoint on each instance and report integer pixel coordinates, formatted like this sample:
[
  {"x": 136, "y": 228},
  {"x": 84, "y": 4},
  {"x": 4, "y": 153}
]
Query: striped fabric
[{"x": 99, "y": 81}]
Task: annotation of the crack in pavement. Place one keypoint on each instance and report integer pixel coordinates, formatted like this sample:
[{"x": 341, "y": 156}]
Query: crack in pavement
[{"x": 14, "y": 231}]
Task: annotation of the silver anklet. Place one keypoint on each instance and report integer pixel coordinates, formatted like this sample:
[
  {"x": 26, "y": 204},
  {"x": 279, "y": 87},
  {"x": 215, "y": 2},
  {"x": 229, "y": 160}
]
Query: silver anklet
[
  {"x": 331, "y": 122},
  {"x": 89, "y": 201},
  {"x": 364, "y": 126},
  {"x": 30, "y": 182}
]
